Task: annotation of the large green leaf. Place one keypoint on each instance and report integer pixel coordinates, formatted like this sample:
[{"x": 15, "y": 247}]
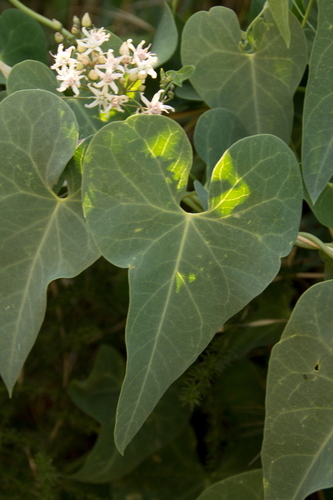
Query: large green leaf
[
  {"x": 98, "y": 396},
  {"x": 42, "y": 236},
  {"x": 258, "y": 86},
  {"x": 166, "y": 36},
  {"x": 317, "y": 152},
  {"x": 188, "y": 273},
  {"x": 280, "y": 13},
  {"x": 35, "y": 75},
  {"x": 246, "y": 486},
  {"x": 298, "y": 445},
  {"x": 21, "y": 37}
]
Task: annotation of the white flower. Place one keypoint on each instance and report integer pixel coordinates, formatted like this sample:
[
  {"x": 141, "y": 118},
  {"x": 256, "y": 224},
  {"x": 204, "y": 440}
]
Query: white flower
[
  {"x": 107, "y": 79},
  {"x": 106, "y": 101},
  {"x": 94, "y": 39},
  {"x": 140, "y": 54},
  {"x": 70, "y": 78},
  {"x": 63, "y": 57},
  {"x": 155, "y": 106}
]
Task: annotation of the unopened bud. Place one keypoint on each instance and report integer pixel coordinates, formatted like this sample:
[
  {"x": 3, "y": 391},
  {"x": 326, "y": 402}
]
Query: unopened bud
[
  {"x": 76, "y": 22},
  {"x": 56, "y": 24},
  {"x": 86, "y": 21},
  {"x": 79, "y": 66},
  {"x": 80, "y": 48},
  {"x": 124, "y": 48},
  {"x": 75, "y": 31},
  {"x": 142, "y": 88},
  {"x": 93, "y": 75},
  {"x": 171, "y": 95},
  {"x": 133, "y": 77},
  {"x": 142, "y": 75},
  {"x": 101, "y": 59},
  {"x": 58, "y": 37}
]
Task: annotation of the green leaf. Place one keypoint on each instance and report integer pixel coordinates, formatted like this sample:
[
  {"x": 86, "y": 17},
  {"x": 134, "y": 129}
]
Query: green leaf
[
  {"x": 166, "y": 36},
  {"x": 21, "y": 37},
  {"x": 246, "y": 486},
  {"x": 178, "y": 77},
  {"x": 216, "y": 131},
  {"x": 43, "y": 237},
  {"x": 97, "y": 396},
  {"x": 280, "y": 13},
  {"x": 174, "y": 472},
  {"x": 32, "y": 75},
  {"x": 323, "y": 208},
  {"x": 135, "y": 175},
  {"x": 317, "y": 151},
  {"x": 297, "y": 451},
  {"x": 258, "y": 86},
  {"x": 35, "y": 75}
]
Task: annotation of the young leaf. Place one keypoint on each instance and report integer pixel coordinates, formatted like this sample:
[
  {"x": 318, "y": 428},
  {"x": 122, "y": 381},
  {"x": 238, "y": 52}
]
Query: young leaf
[
  {"x": 258, "y": 86},
  {"x": 135, "y": 175},
  {"x": 245, "y": 486},
  {"x": 317, "y": 151},
  {"x": 297, "y": 451},
  {"x": 43, "y": 236}
]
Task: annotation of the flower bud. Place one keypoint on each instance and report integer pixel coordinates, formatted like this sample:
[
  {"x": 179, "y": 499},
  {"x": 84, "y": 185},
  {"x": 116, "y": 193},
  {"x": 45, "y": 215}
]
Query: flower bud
[
  {"x": 58, "y": 37},
  {"x": 93, "y": 75},
  {"x": 133, "y": 77},
  {"x": 86, "y": 21},
  {"x": 56, "y": 24},
  {"x": 76, "y": 22},
  {"x": 142, "y": 88},
  {"x": 75, "y": 31}
]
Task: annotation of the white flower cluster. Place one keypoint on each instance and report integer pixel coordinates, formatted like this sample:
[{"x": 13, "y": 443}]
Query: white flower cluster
[{"x": 112, "y": 80}]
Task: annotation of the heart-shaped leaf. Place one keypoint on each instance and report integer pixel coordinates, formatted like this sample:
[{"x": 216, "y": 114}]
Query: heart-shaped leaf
[
  {"x": 317, "y": 150},
  {"x": 43, "y": 236},
  {"x": 298, "y": 445},
  {"x": 258, "y": 86},
  {"x": 245, "y": 486},
  {"x": 188, "y": 273}
]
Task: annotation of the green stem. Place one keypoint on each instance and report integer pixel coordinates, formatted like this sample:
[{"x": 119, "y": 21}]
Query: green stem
[
  {"x": 307, "y": 240},
  {"x": 193, "y": 202},
  {"x": 174, "y": 6},
  {"x": 307, "y": 13},
  {"x": 54, "y": 24}
]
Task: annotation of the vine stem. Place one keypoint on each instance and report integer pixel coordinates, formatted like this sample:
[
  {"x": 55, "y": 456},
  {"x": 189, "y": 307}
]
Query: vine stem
[
  {"x": 307, "y": 13},
  {"x": 54, "y": 24},
  {"x": 306, "y": 240}
]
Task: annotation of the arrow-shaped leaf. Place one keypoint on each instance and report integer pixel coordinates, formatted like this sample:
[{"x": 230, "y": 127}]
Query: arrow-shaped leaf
[
  {"x": 298, "y": 444},
  {"x": 188, "y": 273},
  {"x": 258, "y": 86},
  {"x": 42, "y": 236}
]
